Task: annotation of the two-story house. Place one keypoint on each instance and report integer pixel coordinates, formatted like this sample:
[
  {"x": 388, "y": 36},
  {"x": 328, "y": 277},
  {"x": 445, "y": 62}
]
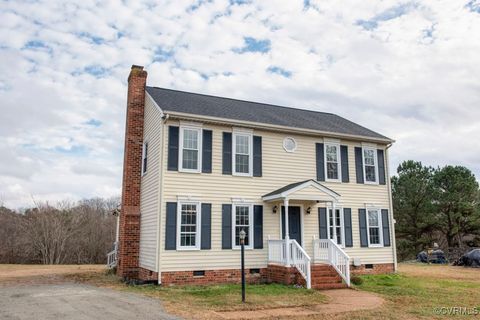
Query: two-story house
[{"x": 310, "y": 190}]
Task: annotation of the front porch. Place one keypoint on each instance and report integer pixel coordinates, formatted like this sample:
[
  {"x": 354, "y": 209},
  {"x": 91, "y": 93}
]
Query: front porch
[
  {"x": 326, "y": 260},
  {"x": 329, "y": 261}
]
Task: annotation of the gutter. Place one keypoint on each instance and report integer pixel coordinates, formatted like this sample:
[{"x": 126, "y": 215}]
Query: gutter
[
  {"x": 272, "y": 127},
  {"x": 392, "y": 220},
  {"x": 160, "y": 194}
]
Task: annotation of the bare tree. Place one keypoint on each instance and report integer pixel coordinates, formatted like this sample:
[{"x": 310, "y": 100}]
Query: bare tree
[{"x": 66, "y": 232}]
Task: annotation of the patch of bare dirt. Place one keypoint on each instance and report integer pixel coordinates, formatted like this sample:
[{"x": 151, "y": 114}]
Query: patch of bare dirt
[{"x": 339, "y": 301}]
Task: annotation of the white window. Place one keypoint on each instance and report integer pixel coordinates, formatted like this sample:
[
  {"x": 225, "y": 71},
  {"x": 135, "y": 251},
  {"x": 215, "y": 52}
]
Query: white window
[
  {"x": 242, "y": 154},
  {"x": 374, "y": 228},
  {"x": 190, "y": 158},
  {"x": 188, "y": 225},
  {"x": 335, "y": 226},
  {"x": 370, "y": 166},
  {"x": 332, "y": 162},
  {"x": 144, "y": 157},
  {"x": 242, "y": 217}
]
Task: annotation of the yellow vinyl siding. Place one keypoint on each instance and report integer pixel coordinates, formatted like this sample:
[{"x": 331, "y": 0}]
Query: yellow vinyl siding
[
  {"x": 150, "y": 188},
  {"x": 279, "y": 169}
]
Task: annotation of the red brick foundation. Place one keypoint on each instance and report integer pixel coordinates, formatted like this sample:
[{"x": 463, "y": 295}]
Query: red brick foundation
[
  {"x": 284, "y": 275},
  {"x": 213, "y": 277},
  {"x": 273, "y": 273},
  {"x": 129, "y": 235},
  {"x": 147, "y": 275},
  {"x": 377, "y": 269}
]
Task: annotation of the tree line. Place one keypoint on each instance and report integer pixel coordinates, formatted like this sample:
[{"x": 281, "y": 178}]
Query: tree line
[
  {"x": 435, "y": 205},
  {"x": 80, "y": 232}
]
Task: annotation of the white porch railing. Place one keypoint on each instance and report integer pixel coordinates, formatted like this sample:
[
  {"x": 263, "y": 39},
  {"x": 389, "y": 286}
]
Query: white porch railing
[
  {"x": 112, "y": 257},
  {"x": 277, "y": 252},
  {"x": 326, "y": 250},
  {"x": 292, "y": 254}
]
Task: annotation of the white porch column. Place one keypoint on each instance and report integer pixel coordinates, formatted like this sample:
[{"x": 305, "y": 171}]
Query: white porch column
[
  {"x": 117, "y": 231},
  {"x": 287, "y": 234}
]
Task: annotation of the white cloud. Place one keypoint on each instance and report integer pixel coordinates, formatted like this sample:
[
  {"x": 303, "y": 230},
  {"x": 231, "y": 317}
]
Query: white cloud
[{"x": 413, "y": 76}]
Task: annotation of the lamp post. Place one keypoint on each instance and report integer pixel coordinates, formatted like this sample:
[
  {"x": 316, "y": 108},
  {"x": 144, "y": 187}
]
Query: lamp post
[{"x": 242, "y": 243}]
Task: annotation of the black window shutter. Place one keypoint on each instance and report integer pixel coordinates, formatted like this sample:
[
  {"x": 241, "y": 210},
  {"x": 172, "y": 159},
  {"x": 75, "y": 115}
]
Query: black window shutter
[
  {"x": 320, "y": 162},
  {"x": 257, "y": 156},
  {"x": 381, "y": 167},
  {"x": 207, "y": 151},
  {"x": 206, "y": 226},
  {"x": 172, "y": 148},
  {"x": 386, "y": 228},
  {"x": 359, "y": 164},
  {"x": 227, "y": 153},
  {"x": 171, "y": 226},
  {"x": 322, "y": 223},
  {"x": 258, "y": 227},
  {"x": 362, "y": 218},
  {"x": 226, "y": 226},
  {"x": 347, "y": 224},
  {"x": 344, "y": 158}
]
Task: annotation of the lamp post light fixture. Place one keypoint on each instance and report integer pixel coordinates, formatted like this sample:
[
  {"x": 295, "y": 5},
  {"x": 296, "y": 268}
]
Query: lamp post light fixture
[{"x": 242, "y": 243}]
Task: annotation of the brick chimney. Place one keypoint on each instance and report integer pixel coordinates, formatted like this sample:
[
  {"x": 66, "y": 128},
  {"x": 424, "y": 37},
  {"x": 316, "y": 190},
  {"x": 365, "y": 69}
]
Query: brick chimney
[{"x": 129, "y": 239}]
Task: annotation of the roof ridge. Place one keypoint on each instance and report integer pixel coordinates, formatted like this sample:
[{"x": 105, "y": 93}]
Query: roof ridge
[{"x": 249, "y": 101}]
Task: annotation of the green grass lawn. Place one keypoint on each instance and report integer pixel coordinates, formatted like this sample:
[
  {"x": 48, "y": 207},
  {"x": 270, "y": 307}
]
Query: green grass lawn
[{"x": 418, "y": 289}]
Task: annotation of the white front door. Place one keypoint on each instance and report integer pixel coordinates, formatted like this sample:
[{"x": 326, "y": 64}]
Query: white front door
[{"x": 335, "y": 226}]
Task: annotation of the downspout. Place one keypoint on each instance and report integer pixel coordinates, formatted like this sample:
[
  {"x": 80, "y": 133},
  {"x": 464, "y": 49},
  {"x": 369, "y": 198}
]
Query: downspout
[
  {"x": 392, "y": 220},
  {"x": 160, "y": 197}
]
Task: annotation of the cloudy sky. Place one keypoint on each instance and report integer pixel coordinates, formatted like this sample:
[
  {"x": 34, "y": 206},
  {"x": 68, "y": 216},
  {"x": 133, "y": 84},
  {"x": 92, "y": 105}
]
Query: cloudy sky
[{"x": 409, "y": 70}]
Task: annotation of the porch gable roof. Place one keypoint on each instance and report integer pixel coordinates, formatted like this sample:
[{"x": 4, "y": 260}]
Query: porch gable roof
[{"x": 285, "y": 191}]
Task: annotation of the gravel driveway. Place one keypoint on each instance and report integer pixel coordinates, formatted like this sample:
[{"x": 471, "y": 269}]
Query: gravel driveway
[{"x": 75, "y": 301}]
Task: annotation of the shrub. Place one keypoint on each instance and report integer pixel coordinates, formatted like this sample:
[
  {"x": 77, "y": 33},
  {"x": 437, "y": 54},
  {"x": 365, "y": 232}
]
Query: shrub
[{"x": 356, "y": 280}]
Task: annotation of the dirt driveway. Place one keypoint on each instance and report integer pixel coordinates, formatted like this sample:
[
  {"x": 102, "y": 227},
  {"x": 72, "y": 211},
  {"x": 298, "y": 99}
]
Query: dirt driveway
[{"x": 28, "y": 293}]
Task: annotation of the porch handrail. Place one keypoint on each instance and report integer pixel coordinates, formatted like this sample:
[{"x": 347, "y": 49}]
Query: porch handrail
[
  {"x": 326, "y": 250},
  {"x": 112, "y": 256},
  {"x": 301, "y": 261}
]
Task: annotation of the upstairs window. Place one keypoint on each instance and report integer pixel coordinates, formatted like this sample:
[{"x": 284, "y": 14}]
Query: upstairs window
[
  {"x": 144, "y": 157},
  {"x": 332, "y": 162},
  {"x": 370, "y": 166},
  {"x": 374, "y": 228},
  {"x": 242, "y": 154},
  {"x": 188, "y": 224},
  {"x": 190, "y": 146}
]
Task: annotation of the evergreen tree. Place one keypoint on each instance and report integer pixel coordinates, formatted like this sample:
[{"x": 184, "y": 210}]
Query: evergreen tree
[
  {"x": 412, "y": 192},
  {"x": 456, "y": 203}
]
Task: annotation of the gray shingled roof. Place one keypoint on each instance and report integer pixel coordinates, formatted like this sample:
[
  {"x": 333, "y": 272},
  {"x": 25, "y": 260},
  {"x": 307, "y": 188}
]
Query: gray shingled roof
[
  {"x": 293, "y": 185},
  {"x": 205, "y": 105}
]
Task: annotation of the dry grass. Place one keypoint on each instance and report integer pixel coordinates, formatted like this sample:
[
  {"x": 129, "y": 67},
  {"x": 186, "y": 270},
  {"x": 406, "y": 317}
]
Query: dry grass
[
  {"x": 13, "y": 271},
  {"x": 20, "y": 274},
  {"x": 417, "y": 289}
]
